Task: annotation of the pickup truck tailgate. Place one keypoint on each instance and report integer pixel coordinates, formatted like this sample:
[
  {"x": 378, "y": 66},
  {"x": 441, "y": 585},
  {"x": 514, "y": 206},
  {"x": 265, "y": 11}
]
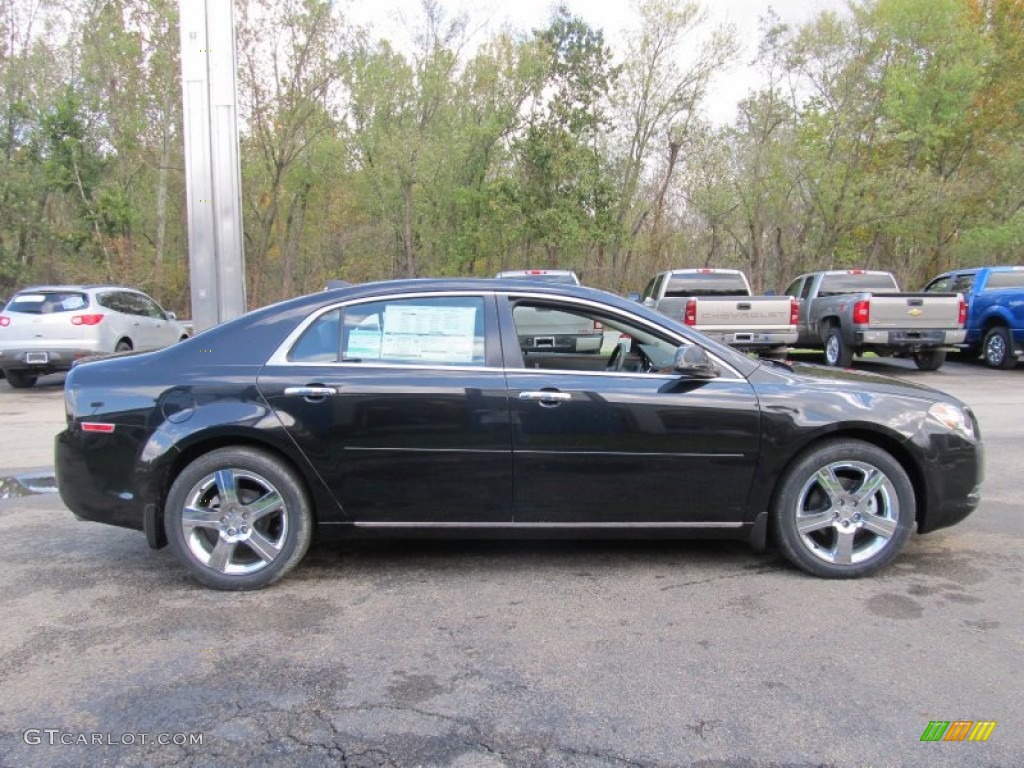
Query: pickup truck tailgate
[
  {"x": 915, "y": 311},
  {"x": 754, "y": 313}
]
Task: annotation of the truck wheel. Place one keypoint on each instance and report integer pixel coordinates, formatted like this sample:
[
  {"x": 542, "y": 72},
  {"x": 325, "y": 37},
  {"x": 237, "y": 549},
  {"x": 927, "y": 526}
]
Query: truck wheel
[
  {"x": 998, "y": 348},
  {"x": 20, "y": 379},
  {"x": 930, "y": 359},
  {"x": 837, "y": 353}
]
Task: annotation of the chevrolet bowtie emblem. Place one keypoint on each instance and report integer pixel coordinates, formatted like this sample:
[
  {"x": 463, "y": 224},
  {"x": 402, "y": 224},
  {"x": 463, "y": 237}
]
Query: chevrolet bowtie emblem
[{"x": 914, "y": 312}]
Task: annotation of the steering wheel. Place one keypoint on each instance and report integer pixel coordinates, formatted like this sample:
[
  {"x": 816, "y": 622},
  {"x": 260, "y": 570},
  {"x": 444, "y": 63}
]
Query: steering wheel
[{"x": 617, "y": 359}]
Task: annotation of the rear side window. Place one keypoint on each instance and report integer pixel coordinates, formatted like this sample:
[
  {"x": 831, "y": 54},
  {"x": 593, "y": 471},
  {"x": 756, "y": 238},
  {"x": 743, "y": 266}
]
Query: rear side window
[
  {"x": 445, "y": 330},
  {"x": 997, "y": 280},
  {"x": 46, "y": 302},
  {"x": 320, "y": 342}
]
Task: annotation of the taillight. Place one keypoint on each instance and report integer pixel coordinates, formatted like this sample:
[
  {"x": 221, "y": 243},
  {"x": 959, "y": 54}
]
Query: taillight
[
  {"x": 862, "y": 312},
  {"x": 961, "y": 321},
  {"x": 86, "y": 319},
  {"x": 794, "y": 312},
  {"x": 690, "y": 314},
  {"x": 4, "y": 321}
]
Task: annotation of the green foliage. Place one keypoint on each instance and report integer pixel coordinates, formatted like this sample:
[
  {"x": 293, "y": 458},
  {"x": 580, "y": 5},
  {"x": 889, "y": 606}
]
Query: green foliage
[{"x": 890, "y": 135}]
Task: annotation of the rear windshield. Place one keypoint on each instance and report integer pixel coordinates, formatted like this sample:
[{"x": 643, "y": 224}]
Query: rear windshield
[
  {"x": 833, "y": 285},
  {"x": 706, "y": 284},
  {"x": 46, "y": 302},
  {"x": 998, "y": 280},
  {"x": 544, "y": 277}
]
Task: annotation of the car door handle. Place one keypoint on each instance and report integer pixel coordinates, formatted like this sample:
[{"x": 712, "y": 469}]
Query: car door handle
[
  {"x": 546, "y": 397},
  {"x": 310, "y": 392}
]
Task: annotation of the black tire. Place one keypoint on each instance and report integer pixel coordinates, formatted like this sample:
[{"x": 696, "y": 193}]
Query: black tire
[
  {"x": 246, "y": 544},
  {"x": 997, "y": 349},
  {"x": 20, "y": 379},
  {"x": 858, "y": 527},
  {"x": 837, "y": 353},
  {"x": 123, "y": 346},
  {"x": 929, "y": 359}
]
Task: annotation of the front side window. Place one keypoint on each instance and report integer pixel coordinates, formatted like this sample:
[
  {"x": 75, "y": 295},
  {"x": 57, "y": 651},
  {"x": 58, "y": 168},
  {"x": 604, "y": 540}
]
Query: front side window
[
  {"x": 443, "y": 330},
  {"x": 575, "y": 338}
]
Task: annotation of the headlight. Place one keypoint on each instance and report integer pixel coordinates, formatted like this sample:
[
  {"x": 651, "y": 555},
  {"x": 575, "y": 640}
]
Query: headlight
[{"x": 954, "y": 418}]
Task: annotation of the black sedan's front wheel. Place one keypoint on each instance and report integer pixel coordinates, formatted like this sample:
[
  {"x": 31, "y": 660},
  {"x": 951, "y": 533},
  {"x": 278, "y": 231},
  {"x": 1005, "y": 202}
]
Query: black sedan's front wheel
[
  {"x": 238, "y": 518},
  {"x": 844, "y": 509}
]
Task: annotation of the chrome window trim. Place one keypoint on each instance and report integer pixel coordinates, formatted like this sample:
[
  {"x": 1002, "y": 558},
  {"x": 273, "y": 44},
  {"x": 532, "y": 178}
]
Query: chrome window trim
[{"x": 280, "y": 355}]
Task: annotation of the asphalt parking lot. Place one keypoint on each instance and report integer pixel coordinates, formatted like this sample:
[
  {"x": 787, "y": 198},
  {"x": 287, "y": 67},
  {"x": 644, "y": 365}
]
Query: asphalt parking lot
[{"x": 482, "y": 654}]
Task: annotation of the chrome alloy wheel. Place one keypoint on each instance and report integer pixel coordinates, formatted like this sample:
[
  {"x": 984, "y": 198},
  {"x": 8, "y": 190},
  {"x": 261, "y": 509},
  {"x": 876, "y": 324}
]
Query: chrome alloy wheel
[
  {"x": 847, "y": 512},
  {"x": 235, "y": 521},
  {"x": 995, "y": 349},
  {"x": 832, "y": 350}
]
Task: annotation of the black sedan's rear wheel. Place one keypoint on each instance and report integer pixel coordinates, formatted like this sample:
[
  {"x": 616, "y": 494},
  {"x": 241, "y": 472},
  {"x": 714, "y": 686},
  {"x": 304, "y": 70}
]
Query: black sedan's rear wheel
[
  {"x": 843, "y": 510},
  {"x": 238, "y": 518}
]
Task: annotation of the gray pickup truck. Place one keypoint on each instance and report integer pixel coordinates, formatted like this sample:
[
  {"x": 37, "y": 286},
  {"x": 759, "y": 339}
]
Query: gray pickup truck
[
  {"x": 849, "y": 312},
  {"x": 717, "y": 302}
]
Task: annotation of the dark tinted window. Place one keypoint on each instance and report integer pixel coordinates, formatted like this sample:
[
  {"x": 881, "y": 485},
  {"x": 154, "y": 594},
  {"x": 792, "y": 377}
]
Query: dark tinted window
[
  {"x": 706, "y": 284},
  {"x": 997, "y": 280},
  {"x": 833, "y": 285},
  {"x": 45, "y": 302},
  {"x": 320, "y": 342}
]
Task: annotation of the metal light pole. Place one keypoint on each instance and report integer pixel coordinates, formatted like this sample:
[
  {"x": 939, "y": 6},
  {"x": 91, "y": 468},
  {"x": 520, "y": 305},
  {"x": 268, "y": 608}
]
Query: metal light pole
[{"x": 212, "y": 168}]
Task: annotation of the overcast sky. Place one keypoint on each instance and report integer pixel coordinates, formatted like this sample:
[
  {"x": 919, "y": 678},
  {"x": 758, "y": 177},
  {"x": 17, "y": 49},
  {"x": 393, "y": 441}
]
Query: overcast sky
[{"x": 393, "y": 17}]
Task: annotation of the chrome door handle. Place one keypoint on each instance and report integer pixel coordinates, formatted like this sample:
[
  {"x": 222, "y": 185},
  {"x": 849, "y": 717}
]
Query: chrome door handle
[
  {"x": 544, "y": 396},
  {"x": 310, "y": 391}
]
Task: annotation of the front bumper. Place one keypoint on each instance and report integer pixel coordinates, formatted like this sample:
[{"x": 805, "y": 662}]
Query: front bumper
[{"x": 954, "y": 470}]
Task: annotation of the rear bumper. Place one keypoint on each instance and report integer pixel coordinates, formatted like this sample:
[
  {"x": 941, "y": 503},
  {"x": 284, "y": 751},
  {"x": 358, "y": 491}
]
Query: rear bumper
[
  {"x": 95, "y": 481},
  {"x": 752, "y": 339},
  {"x": 909, "y": 339},
  {"x": 44, "y": 358}
]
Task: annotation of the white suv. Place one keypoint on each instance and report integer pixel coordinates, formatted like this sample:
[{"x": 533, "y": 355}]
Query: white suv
[{"x": 46, "y": 328}]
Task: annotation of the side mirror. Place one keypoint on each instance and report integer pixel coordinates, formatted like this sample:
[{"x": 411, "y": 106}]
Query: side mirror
[
  {"x": 171, "y": 316},
  {"x": 693, "y": 361}
]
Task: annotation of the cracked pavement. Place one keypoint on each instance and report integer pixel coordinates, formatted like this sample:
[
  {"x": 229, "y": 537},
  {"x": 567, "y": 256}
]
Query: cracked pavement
[{"x": 480, "y": 654}]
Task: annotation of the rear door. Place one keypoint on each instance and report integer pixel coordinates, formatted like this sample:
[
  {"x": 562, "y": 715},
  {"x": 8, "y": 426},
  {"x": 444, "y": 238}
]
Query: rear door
[{"x": 400, "y": 405}]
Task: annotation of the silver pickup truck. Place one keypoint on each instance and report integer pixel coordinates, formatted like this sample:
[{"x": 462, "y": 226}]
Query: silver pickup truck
[
  {"x": 717, "y": 302},
  {"x": 848, "y": 312}
]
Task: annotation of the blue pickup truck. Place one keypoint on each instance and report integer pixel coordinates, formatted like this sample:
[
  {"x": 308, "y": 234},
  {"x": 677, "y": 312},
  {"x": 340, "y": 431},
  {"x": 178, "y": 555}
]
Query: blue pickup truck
[{"x": 995, "y": 311}]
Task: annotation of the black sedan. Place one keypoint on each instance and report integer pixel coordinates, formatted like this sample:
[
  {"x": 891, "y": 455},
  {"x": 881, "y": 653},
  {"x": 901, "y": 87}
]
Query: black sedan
[{"x": 409, "y": 406}]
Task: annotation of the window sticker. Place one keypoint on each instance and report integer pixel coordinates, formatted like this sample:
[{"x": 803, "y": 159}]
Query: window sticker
[
  {"x": 31, "y": 298},
  {"x": 429, "y": 333},
  {"x": 73, "y": 302},
  {"x": 363, "y": 344}
]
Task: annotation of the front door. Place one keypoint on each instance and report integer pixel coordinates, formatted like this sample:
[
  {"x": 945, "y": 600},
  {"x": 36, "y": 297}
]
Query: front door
[{"x": 617, "y": 439}]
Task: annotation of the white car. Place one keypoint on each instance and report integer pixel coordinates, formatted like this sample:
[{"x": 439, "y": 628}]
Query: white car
[{"x": 45, "y": 329}]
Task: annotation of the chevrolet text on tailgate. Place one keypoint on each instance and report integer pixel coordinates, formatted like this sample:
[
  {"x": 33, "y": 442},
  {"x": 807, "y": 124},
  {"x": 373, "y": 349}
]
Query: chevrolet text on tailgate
[
  {"x": 849, "y": 312},
  {"x": 717, "y": 302}
]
